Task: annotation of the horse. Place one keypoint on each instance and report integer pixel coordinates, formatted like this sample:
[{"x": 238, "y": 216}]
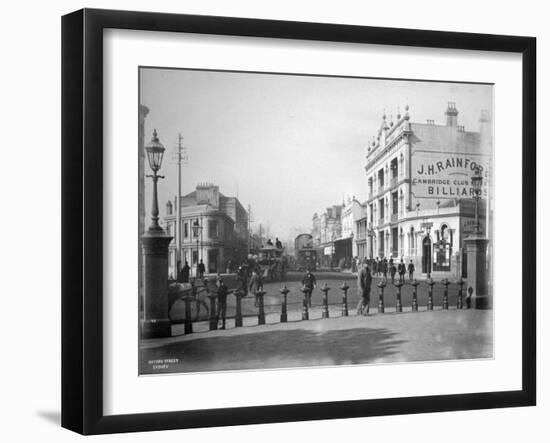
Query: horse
[{"x": 176, "y": 291}]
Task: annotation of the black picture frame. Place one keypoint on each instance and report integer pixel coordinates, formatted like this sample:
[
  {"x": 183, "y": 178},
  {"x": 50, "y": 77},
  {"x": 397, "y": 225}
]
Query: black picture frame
[{"x": 82, "y": 216}]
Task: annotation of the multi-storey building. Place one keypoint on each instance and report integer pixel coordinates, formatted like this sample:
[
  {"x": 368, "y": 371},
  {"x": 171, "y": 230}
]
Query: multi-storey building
[
  {"x": 420, "y": 204},
  {"x": 326, "y": 229},
  {"x": 222, "y": 234},
  {"x": 346, "y": 246}
]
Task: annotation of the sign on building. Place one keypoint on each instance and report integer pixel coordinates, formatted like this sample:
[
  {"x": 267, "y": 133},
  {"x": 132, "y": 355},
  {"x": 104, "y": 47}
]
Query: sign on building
[{"x": 446, "y": 175}]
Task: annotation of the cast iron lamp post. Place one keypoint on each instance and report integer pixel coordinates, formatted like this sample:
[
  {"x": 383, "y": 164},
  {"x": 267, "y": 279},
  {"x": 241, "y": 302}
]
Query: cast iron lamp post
[
  {"x": 476, "y": 248},
  {"x": 155, "y": 241},
  {"x": 477, "y": 181}
]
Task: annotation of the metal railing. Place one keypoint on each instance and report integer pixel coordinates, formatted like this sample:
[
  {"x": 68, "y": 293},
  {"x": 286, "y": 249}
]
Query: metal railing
[{"x": 216, "y": 310}]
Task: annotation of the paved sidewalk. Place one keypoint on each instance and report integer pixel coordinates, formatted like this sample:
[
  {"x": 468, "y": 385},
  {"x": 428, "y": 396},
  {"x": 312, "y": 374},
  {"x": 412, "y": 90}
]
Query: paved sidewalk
[{"x": 378, "y": 338}]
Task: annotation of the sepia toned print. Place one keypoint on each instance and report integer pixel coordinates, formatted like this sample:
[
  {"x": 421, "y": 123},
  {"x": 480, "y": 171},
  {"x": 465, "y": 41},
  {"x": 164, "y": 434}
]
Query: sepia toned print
[{"x": 300, "y": 221}]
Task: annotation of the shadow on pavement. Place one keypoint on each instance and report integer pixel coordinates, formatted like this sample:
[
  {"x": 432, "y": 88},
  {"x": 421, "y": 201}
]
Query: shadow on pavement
[{"x": 274, "y": 349}]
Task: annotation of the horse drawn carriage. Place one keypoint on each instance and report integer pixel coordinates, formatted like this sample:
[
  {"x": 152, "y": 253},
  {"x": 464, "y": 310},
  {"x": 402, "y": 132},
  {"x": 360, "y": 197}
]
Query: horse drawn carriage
[{"x": 272, "y": 263}]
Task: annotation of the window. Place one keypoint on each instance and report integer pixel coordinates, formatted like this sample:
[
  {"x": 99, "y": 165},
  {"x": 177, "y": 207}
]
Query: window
[
  {"x": 393, "y": 167},
  {"x": 186, "y": 230},
  {"x": 394, "y": 203},
  {"x": 213, "y": 228}
]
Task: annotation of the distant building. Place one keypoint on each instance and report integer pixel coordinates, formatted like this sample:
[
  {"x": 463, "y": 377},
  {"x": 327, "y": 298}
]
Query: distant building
[
  {"x": 326, "y": 229},
  {"x": 345, "y": 245},
  {"x": 222, "y": 237},
  {"x": 420, "y": 204}
]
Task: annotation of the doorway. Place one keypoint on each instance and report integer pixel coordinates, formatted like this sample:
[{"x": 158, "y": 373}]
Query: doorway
[{"x": 427, "y": 255}]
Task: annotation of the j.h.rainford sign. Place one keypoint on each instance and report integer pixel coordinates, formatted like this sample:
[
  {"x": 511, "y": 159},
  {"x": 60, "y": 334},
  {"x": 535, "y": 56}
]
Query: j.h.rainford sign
[{"x": 446, "y": 175}]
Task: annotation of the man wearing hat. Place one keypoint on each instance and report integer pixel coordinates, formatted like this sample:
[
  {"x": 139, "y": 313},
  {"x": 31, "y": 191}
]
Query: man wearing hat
[{"x": 222, "y": 301}]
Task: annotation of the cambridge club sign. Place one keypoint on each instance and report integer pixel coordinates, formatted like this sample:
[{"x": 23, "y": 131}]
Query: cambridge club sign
[{"x": 445, "y": 174}]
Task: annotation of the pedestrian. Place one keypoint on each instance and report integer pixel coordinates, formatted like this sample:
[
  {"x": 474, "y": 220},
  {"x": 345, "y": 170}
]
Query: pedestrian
[
  {"x": 401, "y": 269},
  {"x": 375, "y": 267},
  {"x": 242, "y": 279},
  {"x": 364, "y": 281},
  {"x": 411, "y": 270},
  {"x": 384, "y": 265},
  {"x": 183, "y": 274},
  {"x": 309, "y": 282},
  {"x": 223, "y": 292},
  {"x": 393, "y": 270},
  {"x": 256, "y": 284},
  {"x": 200, "y": 269}
]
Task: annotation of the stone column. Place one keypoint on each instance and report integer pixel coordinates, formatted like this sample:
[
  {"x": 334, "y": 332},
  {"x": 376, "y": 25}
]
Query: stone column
[
  {"x": 155, "y": 321},
  {"x": 476, "y": 248}
]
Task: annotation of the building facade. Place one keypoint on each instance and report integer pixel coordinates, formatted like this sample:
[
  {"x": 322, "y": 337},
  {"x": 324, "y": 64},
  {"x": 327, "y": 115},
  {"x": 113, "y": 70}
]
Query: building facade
[
  {"x": 214, "y": 229},
  {"x": 420, "y": 204},
  {"x": 352, "y": 211},
  {"x": 326, "y": 230}
]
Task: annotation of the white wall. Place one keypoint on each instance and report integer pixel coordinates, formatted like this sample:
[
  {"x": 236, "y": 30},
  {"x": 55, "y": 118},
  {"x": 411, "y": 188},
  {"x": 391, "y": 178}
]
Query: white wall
[{"x": 30, "y": 325}]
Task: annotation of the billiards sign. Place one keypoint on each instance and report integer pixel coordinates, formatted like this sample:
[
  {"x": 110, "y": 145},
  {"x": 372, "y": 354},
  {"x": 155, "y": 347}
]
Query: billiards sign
[{"x": 446, "y": 175}]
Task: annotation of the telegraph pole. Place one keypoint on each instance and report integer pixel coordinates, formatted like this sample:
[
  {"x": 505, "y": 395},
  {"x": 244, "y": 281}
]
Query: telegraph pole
[
  {"x": 249, "y": 230},
  {"x": 181, "y": 159}
]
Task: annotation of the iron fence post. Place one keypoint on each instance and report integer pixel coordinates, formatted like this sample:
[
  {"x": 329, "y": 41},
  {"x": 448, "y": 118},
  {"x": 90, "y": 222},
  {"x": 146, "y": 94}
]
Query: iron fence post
[
  {"x": 415, "y": 295},
  {"x": 284, "y": 290},
  {"x": 261, "y": 313},
  {"x": 398, "y": 304},
  {"x": 325, "y": 290},
  {"x": 446, "y": 282},
  {"x": 431, "y": 284},
  {"x": 344, "y": 288},
  {"x": 381, "y": 285}
]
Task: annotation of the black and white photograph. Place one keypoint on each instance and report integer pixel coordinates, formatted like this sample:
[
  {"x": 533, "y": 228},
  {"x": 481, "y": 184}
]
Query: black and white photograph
[{"x": 298, "y": 221}]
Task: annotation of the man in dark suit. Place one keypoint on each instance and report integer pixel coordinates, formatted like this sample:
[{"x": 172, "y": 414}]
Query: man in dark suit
[
  {"x": 183, "y": 276},
  {"x": 401, "y": 270},
  {"x": 364, "y": 281},
  {"x": 309, "y": 283},
  {"x": 200, "y": 269},
  {"x": 223, "y": 291}
]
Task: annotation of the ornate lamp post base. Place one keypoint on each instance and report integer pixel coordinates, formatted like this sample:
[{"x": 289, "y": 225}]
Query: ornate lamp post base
[
  {"x": 476, "y": 248},
  {"x": 155, "y": 323}
]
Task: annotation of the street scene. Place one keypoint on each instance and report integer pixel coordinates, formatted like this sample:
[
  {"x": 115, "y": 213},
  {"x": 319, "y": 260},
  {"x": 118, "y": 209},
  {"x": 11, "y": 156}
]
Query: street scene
[{"x": 295, "y": 221}]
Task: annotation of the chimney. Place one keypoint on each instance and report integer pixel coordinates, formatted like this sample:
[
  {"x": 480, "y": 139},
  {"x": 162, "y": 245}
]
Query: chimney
[{"x": 451, "y": 114}]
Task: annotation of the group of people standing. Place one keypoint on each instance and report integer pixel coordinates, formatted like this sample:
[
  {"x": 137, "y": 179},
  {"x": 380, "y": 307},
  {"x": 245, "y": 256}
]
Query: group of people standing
[
  {"x": 185, "y": 271},
  {"x": 380, "y": 267}
]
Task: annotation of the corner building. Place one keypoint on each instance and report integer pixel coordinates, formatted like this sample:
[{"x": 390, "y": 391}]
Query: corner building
[
  {"x": 420, "y": 204},
  {"x": 223, "y": 233}
]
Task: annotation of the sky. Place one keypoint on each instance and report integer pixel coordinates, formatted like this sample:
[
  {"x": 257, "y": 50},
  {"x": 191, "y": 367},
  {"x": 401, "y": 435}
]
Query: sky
[{"x": 287, "y": 145}]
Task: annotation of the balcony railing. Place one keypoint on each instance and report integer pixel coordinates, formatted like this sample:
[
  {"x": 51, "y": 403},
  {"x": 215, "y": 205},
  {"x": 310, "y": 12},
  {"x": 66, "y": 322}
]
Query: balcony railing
[
  {"x": 380, "y": 221},
  {"x": 394, "y": 217}
]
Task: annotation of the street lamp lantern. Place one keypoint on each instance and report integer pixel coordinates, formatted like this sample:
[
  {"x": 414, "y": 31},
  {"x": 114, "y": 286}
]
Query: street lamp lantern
[
  {"x": 155, "y": 152},
  {"x": 477, "y": 181}
]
